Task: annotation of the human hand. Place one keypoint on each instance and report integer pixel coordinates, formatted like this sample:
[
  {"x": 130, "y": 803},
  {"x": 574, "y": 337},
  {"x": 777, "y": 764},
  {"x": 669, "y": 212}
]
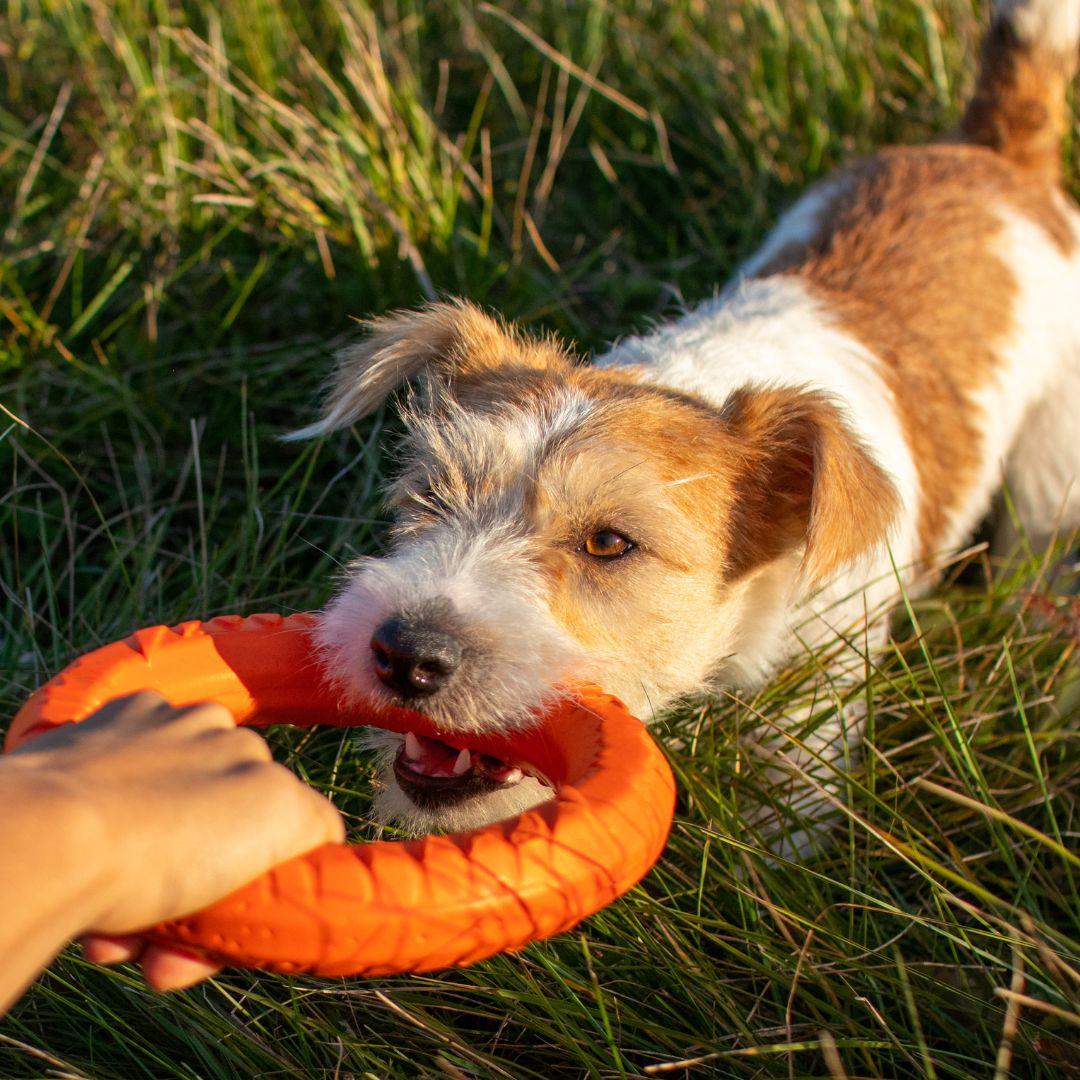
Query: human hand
[{"x": 173, "y": 808}]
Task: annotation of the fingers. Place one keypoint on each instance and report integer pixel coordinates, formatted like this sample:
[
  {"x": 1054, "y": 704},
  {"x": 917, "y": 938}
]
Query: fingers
[
  {"x": 127, "y": 705},
  {"x": 163, "y": 968},
  {"x": 316, "y": 819},
  {"x": 208, "y": 722},
  {"x": 111, "y": 948},
  {"x": 147, "y": 710},
  {"x": 204, "y": 717},
  {"x": 236, "y": 745},
  {"x": 329, "y": 818},
  {"x": 171, "y": 969},
  {"x": 302, "y": 818},
  {"x": 230, "y": 812}
]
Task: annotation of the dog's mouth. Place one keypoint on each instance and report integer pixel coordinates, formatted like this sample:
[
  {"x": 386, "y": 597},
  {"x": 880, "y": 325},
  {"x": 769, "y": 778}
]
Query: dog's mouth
[{"x": 433, "y": 772}]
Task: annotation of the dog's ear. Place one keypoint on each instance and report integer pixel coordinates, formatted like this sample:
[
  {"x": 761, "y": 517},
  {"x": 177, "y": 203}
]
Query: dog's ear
[
  {"x": 805, "y": 480},
  {"x": 445, "y": 339}
]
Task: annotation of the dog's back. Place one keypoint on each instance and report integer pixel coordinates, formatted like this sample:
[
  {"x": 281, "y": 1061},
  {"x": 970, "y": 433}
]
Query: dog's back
[
  {"x": 952, "y": 272},
  {"x": 956, "y": 265}
]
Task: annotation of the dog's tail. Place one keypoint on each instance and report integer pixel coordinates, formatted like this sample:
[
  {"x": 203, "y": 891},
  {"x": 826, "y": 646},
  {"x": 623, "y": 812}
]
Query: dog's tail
[{"x": 1028, "y": 58}]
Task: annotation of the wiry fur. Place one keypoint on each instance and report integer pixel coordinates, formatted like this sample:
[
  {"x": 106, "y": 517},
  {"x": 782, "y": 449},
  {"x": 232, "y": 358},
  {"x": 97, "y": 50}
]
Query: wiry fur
[
  {"x": 445, "y": 337},
  {"x": 785, "y": 458},
  {"x": 482, "y": 573}
]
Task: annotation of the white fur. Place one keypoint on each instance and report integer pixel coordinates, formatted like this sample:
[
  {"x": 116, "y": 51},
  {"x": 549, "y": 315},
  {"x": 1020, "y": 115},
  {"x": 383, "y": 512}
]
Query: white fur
[
  {"x": 1032, "y": 409},
  {"x": 485, "y": 576},
  {"x": 771, "y": 332},
  {"x": 1053, "y": 23},
  {"x": 476, "y": 562},
  {"x": 797, "y": 225},
  {"x": 509, "y": 439}
]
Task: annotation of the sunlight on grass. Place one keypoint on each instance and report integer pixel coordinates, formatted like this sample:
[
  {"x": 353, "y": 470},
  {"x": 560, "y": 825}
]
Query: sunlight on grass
[{"x": 196, "y": 201}]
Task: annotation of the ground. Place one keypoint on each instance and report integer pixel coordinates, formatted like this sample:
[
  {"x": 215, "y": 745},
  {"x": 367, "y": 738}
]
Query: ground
[{"x": 194, "y": 202}]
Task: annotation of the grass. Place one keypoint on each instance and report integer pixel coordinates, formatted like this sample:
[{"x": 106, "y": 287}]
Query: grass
[{"x": 196, "y": 199}]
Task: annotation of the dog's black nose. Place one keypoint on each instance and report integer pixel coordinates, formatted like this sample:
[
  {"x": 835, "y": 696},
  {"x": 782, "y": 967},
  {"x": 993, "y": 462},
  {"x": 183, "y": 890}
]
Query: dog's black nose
[{"x": 413, "y": 657}]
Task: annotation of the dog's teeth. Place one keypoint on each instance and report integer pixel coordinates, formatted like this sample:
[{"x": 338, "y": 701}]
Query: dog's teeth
[
  {"x": 463, "y": 763},
  {"x": 412, "y": 747},
  {"x": 513, "y": 776}
]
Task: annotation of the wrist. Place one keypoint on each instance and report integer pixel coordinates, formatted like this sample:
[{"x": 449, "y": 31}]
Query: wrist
[
  {"x": 62, "y": 841},
  {"x": 51, "y": 884}
]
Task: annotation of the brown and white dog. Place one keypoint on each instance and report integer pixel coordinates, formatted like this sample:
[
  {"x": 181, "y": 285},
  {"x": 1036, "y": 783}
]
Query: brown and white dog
[{"x": 763, "y": 475}]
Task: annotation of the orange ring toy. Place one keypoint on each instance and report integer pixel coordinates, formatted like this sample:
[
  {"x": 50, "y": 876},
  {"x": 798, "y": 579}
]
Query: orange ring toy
[{"x": 391, "y": 907}]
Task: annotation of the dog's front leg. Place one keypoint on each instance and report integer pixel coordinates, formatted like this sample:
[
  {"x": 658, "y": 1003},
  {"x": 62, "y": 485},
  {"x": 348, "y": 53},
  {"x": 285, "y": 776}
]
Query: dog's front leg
[{"x": 801, "y": 761}]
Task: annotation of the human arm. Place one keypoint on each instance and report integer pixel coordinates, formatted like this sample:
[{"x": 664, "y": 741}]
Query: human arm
[{"x": 142, "y": 812}]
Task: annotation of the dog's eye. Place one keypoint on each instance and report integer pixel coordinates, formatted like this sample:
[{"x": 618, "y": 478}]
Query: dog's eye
[{"x": 607, "y": 544}]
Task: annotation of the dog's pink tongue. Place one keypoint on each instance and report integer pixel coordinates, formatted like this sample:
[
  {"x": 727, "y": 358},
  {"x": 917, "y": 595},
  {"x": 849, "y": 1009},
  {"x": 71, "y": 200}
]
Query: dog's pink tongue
[
  {"x": 494, "y": 769},
  {"x": 433, "y": 757}
]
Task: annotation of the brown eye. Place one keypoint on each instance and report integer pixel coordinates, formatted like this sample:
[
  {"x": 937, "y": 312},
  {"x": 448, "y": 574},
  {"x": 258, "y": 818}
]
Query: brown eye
[{"x": 607, "y": 544}]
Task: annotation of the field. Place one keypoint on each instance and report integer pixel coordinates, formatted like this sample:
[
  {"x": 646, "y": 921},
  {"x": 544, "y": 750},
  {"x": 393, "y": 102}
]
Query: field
[{"x": 196, "y": 200}]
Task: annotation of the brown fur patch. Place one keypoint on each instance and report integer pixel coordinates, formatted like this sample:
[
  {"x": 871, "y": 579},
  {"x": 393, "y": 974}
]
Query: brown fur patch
[
  {"x": 656, "y": 469},
  {"x": 451, "y": 340},
  {"x": 803, "y": 479},
  {"x": 904, "y": 260},
  {"x": 708, "y": 497}
]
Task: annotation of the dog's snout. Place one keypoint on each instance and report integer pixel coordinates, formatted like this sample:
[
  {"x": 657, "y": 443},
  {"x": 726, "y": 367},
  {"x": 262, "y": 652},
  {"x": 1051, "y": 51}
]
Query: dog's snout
[{"x": 413, "y": 657}]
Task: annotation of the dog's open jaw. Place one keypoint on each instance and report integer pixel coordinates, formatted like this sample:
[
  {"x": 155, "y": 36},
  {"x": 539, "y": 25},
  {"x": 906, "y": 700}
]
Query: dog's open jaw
[
  {"x": 560, "y": 524},
  {"x": 479, "y": 801}
]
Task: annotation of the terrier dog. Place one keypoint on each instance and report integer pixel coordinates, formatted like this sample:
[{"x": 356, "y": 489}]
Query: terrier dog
[{"x": 761, "y": 476}]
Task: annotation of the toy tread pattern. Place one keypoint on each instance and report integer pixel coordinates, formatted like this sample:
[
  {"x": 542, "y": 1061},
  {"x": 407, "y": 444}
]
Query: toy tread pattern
[{"x": 389, "y": 907}]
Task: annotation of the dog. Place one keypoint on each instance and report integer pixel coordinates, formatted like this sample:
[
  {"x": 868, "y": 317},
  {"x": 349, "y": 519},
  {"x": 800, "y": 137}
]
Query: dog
[{"x": 767, "y": 474}]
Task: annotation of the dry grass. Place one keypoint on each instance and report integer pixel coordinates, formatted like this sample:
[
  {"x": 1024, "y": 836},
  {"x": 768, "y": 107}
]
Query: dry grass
[{"x": 196, "y": 200}]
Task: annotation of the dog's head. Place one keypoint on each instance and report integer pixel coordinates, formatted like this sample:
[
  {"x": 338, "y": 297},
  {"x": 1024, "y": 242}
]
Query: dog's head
[{"x": 556, "y": 523}]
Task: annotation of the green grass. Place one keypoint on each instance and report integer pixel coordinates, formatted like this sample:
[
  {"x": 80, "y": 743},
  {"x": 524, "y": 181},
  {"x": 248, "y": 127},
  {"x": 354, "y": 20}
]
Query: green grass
[{"x": 195, "y": 199}]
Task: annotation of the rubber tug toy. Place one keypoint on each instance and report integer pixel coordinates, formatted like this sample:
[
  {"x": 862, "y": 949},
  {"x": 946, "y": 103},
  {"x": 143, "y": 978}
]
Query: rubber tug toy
[{"x": 390, "y": 907}]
